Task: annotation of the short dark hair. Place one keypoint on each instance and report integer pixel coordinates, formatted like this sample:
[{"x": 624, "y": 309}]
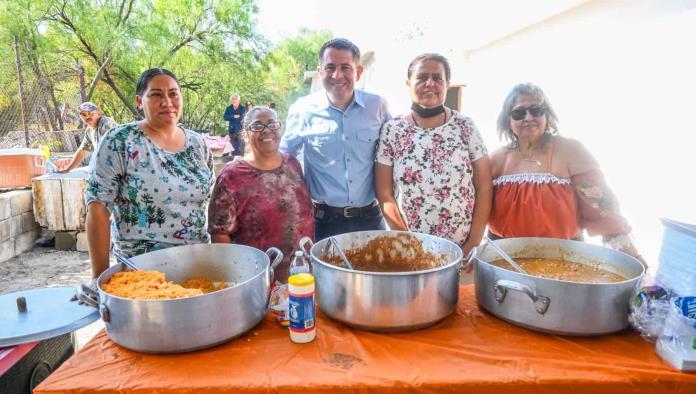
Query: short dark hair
[
  {"x": 433, "y": 57},
  {"x": 340, "y": 43},
  {"x": 525, "y": 89},
  {"x": 145, "y": 77},
  {"x": 251, "y": 115}
]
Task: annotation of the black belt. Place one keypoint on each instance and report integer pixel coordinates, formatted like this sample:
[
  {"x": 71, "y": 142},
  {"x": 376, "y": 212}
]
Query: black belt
[{"x": 346, "y": 212}]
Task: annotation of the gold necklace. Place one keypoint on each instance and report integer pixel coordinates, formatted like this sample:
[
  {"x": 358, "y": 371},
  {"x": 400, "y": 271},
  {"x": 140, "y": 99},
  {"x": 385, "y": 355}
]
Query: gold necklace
[{"x": 529, "y": 158}]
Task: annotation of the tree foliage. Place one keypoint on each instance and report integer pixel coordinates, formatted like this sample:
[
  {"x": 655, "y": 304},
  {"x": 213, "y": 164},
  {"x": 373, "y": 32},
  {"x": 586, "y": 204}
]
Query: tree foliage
[{"x": 211, "y": 45}]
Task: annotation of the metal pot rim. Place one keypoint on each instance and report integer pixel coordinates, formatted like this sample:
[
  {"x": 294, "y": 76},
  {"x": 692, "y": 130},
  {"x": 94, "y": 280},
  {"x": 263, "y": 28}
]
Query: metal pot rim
[
  {"x": 565, "y": 282},
  {"x": 456, "y": 261},
  {"x": 397, "y": 273}
]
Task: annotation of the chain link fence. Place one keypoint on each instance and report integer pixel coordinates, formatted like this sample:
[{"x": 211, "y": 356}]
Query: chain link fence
[{"x": 50, "y": 99}]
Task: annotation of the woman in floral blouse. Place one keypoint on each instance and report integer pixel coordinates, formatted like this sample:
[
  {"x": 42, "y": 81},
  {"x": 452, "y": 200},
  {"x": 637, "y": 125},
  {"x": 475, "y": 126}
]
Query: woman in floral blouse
[
  {"x": 432, "y": 174},
  {"x": 546, "y": 185},
  {"x": 153, "y": 176}
]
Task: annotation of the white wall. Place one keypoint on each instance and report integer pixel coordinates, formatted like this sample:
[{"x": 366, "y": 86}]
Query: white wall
[{"x": 621, "y": 77}]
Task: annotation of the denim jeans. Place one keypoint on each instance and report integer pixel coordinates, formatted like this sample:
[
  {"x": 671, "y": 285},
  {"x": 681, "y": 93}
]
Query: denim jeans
[
  {"x": 237, "y": 143},
  {"x": 333, "y": 224}
]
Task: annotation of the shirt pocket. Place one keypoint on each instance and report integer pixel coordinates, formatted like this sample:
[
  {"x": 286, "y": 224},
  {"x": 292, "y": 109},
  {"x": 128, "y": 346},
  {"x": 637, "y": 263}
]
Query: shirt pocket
[
  {"x": 369, "y": 134},
  {"x": 321, "y": 134}
]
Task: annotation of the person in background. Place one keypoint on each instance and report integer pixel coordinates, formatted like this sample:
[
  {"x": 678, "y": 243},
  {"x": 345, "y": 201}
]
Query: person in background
[
  {"x": 546, "y": 185},
  {"x": 153, "y": 176},
  {"x": 436, "y": 161},
  {"x": 96, "y": 125},
  {"x": 248, "y": 105},
  {"x": 261, "y": 200},
  {"x": 337, "y": 131},
  {"x": 234, "y": 115}
]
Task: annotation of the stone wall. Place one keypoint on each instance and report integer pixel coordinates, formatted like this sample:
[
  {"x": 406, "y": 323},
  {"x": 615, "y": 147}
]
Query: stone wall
[{"x": 18, "y": 229}]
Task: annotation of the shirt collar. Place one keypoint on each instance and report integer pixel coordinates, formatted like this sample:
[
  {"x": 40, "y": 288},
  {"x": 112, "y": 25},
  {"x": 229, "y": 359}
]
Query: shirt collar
[{"x": 357, "y": 99}]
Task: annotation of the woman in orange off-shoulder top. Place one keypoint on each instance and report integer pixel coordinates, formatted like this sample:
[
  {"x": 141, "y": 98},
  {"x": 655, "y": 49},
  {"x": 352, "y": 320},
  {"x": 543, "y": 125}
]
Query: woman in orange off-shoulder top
[{"x": 545, "y": 185}]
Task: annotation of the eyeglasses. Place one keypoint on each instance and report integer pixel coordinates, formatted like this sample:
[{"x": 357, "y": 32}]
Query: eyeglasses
[
  {"x": 86, "y": 114},
  {"x": 423, "y": 78},
  {"x": 521, "y": 112},
  {"x": 258, "y": 127}
]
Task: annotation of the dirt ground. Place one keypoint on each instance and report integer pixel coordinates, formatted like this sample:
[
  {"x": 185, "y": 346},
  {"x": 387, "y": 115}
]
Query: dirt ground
[{"x": 47, "y": 267}]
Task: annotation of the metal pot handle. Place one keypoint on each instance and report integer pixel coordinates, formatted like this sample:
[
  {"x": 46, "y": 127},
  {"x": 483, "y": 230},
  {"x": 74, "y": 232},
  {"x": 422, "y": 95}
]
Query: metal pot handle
[
  {"x": 306, "y": 244},
  {"x": 469, "y": 259},
  {"x": 541, "y": 303},
  {"x": 275, "y": 261},
  {"x": 87, "y": 296}
]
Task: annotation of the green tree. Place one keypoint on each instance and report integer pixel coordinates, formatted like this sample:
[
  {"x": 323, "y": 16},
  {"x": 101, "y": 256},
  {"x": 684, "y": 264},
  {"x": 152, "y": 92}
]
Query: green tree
[
  {"x": 211, "y": 45},
  {"x": 285, "y": 66}
]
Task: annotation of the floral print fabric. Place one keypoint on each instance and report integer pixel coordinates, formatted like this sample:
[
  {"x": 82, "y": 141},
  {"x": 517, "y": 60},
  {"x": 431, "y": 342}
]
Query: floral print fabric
[
  {"x": 157, "y": 198},
  {"x": 433, "y": 173}
]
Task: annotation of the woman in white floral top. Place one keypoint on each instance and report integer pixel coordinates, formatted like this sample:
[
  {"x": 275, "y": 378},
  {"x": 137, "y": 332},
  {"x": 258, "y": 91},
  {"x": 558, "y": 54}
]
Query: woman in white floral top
[
  {"x": 432, "y": 174},
  {"x": 154, "y": 177}
]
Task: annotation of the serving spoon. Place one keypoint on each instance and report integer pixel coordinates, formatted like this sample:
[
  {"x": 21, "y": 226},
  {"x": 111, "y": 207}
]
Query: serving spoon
[
  {"x": 121, "y": 258},
  {"x": 504, "y": 255},
  {"x": 333, "y": 242}
]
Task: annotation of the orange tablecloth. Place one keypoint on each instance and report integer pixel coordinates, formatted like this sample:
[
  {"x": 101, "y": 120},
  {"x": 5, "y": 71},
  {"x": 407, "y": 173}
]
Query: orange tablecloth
[{"x": 470, "y": 351}]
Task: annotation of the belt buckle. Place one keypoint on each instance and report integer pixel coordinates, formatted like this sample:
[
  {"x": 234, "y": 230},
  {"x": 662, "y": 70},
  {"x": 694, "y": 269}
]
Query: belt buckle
[{"x": 346, "y": 212}]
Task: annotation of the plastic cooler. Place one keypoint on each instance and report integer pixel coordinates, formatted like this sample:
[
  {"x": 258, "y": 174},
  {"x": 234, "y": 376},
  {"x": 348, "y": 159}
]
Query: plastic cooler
[
  {"x": 677, "y": 269},
  {"x": 19, "y": 165}
]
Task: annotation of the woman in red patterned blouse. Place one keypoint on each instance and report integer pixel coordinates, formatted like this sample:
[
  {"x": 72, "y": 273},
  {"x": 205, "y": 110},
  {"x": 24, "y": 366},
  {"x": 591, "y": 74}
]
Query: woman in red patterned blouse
[{"x": 261, "y": 199}]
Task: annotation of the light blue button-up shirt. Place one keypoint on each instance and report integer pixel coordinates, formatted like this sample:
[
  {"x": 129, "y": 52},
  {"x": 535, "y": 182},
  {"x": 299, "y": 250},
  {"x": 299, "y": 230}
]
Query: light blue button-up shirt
[{"x": 338, "y": 146}]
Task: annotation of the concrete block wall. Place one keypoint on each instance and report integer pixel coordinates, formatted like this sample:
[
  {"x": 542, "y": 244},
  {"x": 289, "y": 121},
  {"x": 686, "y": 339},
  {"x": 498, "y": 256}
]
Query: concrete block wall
[{"x": 18, "y": 229}]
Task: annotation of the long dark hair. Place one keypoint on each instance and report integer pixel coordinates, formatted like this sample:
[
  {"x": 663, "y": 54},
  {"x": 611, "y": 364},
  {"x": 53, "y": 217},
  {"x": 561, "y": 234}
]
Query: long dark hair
[
  {"x": 145, "y": 77},
  {"x": 435, "y": 57}
]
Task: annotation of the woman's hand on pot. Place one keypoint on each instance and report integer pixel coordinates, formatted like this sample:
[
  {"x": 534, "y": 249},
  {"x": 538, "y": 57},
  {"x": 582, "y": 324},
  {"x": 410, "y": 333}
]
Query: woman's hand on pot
[
  {"x": 92, "y": 285},
  {"x": 468, "y": 248}
]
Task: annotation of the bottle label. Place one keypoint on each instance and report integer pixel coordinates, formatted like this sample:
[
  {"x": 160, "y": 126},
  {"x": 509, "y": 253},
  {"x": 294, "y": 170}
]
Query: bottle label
[{"x": 301, "y": 311}]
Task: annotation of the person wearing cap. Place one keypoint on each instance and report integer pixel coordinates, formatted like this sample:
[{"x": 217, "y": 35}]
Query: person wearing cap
[
  {"x": 96, "y": 125},
  {"x": 337, "y": 131}
]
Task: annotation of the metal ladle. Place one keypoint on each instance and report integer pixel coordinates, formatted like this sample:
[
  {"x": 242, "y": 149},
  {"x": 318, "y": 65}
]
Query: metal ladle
[
  {"x": 504, "y": 255},
  {"x": 332, "y": 241},
  {"x": 121, "y": 258}
]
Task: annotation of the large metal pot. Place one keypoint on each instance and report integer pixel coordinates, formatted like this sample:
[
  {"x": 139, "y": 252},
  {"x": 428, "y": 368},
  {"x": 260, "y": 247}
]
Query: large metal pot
[
  {"x": 556, "y": 306},
  {"x": 387, "y": 301},
  {"x": 187, "y": 324}
]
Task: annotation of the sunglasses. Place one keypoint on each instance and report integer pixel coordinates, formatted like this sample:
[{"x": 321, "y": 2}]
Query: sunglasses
[
  {"x": 521, "y": 112},
  {"x": 259, "y": 127}
]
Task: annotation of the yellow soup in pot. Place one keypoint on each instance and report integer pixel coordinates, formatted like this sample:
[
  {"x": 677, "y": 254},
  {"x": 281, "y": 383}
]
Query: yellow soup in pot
[{"x": 563, "y": 270}]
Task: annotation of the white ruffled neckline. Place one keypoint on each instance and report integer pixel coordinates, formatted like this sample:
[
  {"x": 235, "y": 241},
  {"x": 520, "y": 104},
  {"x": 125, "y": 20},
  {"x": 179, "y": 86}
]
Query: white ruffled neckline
[{"x": 531, "y": 177}]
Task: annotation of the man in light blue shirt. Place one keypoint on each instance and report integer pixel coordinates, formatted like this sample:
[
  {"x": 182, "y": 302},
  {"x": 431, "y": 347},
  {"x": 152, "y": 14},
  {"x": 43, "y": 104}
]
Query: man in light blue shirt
[{"x": 337, "y": 131}]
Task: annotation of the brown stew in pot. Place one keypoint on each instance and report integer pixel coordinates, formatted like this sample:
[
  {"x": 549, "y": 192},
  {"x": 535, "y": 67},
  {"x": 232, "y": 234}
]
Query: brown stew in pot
[
  {"x": 562, "y": 270},
  {"x": 398, "y": 253}
]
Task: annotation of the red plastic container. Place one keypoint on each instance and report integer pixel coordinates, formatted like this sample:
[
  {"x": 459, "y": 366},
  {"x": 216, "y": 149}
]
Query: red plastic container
[{"x": 19, "y": 165}]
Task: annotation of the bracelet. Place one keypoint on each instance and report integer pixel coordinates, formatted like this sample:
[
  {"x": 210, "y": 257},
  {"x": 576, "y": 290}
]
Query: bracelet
[{"x": 618, "y": 242}]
